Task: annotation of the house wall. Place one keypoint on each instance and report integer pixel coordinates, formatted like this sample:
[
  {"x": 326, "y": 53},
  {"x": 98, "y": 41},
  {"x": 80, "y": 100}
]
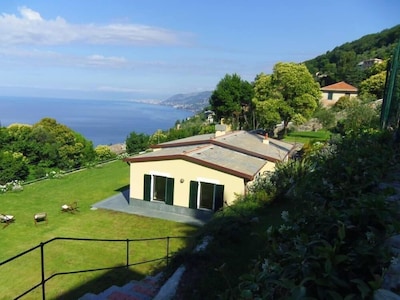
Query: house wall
[
  {"x": 335, "y": 96},
  {"x": 186, "y": 171}
]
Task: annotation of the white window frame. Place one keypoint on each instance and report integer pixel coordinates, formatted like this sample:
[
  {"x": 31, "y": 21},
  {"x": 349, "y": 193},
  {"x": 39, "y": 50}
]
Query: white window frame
[
  {"x": 205, "y": 180},
  {"x": 160, "y": 174}
]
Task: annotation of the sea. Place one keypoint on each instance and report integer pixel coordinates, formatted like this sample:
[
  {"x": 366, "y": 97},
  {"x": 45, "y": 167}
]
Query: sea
[{"x": 104, "y": 122}]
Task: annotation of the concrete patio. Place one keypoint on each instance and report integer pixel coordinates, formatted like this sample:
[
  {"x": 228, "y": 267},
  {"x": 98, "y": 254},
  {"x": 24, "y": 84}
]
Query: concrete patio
[{"x": 122, "y": 203}]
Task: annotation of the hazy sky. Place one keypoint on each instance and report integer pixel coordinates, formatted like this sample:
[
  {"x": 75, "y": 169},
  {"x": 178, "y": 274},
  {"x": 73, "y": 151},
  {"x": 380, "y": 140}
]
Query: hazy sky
[{"x": 152, "y": 49}]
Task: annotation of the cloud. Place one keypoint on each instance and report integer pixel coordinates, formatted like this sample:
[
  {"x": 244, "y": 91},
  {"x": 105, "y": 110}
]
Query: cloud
[
  {"x": 101, "y": 61},
  {"x": 119, "y": 89},
  {"x": 31, "y": 29}
]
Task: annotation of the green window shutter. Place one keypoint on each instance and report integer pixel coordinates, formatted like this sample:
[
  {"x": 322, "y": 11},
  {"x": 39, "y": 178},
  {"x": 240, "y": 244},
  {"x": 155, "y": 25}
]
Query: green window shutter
[
  {"x": 194, "y": 186},
  {"x": 169, "y": 191},
  {"x": 218, "y": 197},
  {"x": 147, "y": 187}
]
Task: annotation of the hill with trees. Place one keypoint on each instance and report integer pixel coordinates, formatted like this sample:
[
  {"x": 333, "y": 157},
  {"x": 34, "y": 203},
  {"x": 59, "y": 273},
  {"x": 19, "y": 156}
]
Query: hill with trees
[
  {"x": 193, "y": 101},
  {"x": 342, "y": 63}
]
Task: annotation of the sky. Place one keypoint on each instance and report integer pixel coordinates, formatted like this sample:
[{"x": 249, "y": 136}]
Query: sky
[{"x": 153, "y": 49}]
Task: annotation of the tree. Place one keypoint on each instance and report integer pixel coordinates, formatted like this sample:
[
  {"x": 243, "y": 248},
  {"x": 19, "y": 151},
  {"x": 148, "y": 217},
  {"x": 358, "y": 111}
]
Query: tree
[
  {"x": 358, "y": 117},
  {"x": 104, "y": 153},
  {"x": 374, "y": 85},
  {"x": 60, "y": 146},
  {"x": 267, "y": 114},
  {"x": 231, "y": 100},
  {"x": 326, "y": 117},
  {"x": 137, "y": 142},
  {"x": 13, "y": 166},
  {"x": 292, "y": 91}
]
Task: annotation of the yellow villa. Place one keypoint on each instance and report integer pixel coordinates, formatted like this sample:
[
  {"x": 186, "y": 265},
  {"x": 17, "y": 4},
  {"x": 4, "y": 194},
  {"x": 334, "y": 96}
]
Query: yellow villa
[
  {"x": 332, "y": 93},
  {"x": 201, "y": 174}
]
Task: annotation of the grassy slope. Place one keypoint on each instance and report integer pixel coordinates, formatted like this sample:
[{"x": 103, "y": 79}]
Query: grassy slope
[
  {"x": 86, "y": 187},
  {"x": 307, "y": 136}
]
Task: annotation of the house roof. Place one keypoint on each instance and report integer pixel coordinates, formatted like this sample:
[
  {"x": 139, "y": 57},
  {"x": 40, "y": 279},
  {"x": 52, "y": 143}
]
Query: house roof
[
  {"x": 340, "y": 87},
  {"x": 239, "y": 153}
]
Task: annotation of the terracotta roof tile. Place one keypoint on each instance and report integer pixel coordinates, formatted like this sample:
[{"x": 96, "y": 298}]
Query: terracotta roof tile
[{"x": 340, "y": 86}]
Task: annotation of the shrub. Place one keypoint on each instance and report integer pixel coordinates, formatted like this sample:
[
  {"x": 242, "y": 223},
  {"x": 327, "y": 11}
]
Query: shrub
[
  {"x": 332, "y": 246},
  {"x": 12, "y": 186},
  {"x": 344, "y": 102}
]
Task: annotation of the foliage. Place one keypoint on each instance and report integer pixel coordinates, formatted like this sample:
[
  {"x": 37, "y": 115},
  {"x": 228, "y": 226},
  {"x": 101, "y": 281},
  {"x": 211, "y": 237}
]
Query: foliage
[
  {"x": 104, "y": 153},
  {"x": 185, "y": 128},
  {"x": 326, "y": 117},
  {"x": 231, "y": 100},
  {"x": 13, "y": 166},
  {"x": 44, "y": 145},
  {"x": 359, "y": 117},
  {"x": 344, "y": 102},
  {"x": 289, "y": 94},
  {"x": 267, "y": 114},
  {"x": 12, "y": 186},
  {"x": 332, "y": 245},
  {"x": 374, "y": 85},
  {"x": 341, "y": 64},
  {"x": 137, "y": 142}
]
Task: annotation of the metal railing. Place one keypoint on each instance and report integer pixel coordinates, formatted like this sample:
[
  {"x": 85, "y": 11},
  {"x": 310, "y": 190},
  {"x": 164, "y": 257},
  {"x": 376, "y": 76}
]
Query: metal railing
[{"x": 41, "y": 246}]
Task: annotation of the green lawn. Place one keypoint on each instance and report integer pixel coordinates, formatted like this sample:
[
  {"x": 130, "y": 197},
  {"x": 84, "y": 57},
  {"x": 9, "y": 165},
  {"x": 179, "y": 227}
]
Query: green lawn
[
  {"x": 86, "y": 187},
  {"x": 307, "y": 136}
]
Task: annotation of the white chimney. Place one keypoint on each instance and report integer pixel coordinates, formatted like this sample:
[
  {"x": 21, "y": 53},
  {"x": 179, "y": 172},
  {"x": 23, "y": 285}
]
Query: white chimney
[
  {"x": 266, "y": 140},
  {"x": 220, "y": 129}
]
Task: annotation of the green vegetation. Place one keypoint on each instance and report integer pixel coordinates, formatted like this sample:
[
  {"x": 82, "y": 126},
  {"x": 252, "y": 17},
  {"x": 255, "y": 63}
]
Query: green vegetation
[
  {"x": 314, "y": 229},
  {"x": 231, "y": 100},
  {"x": 341, "y": 64},
  {"x": 307, "y": 136},
  {"x": 86, "y": 187},
  {"x": 31, "y": 151},
  {"x": 137, "y": 142}
]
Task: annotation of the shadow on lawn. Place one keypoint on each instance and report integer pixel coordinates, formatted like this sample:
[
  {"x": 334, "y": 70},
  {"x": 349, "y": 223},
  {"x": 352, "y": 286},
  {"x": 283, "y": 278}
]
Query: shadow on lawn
[{"x": 119, "y": 277}]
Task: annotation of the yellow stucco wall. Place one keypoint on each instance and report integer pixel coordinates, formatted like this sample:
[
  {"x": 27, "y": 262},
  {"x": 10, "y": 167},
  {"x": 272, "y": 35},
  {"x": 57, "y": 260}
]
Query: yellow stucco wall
[
  {"x": 185, "y": 171},
  {"x": 335, "y": 97}
]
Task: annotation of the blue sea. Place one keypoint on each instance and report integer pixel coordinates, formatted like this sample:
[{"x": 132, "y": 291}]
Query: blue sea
[{"x": 104, "y": 122}]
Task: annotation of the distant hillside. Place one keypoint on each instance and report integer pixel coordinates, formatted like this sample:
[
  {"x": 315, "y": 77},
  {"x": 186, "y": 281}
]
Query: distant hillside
[
  {"x": 341, "y": 64},
  {"x": 194, "y": 101}
]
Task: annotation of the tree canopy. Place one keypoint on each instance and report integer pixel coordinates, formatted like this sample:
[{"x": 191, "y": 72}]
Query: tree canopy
[
  {"x": 341, "y": 64},
  {"x": 32, "y": 150},
  {"x": 290, "y": 91},
  {"x": 231, "y": 100}
]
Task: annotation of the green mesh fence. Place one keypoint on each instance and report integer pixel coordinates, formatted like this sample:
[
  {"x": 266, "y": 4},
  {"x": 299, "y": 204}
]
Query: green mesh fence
[{"x": 390, "y": 114}]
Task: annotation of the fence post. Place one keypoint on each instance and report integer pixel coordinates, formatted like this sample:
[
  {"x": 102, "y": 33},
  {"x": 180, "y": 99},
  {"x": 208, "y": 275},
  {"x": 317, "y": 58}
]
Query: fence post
[
  {"x": 168, "y": 250},
  {"x": 42, "y": 266},
  {"x": 127, "y": 253}
]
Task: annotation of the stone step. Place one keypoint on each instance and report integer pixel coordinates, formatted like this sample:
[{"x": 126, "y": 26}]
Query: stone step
[{"x": 145, "y": 289}]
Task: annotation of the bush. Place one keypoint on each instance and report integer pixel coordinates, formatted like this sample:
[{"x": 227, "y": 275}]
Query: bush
[
  {"x": 344, "y": 102},
  {"x": 333, "y": 244}
]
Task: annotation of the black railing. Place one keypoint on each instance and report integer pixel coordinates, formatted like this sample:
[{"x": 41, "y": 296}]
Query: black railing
[{"x": 43, "y": 281}]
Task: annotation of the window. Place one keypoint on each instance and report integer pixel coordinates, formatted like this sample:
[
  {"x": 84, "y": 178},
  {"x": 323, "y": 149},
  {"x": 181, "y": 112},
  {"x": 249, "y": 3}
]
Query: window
[
  {"x": 158, "y": 188},
  {"x": 330, "y": 95},
  {"x": 204, "y": 195},
  {"x": 206, "y": 199}
]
